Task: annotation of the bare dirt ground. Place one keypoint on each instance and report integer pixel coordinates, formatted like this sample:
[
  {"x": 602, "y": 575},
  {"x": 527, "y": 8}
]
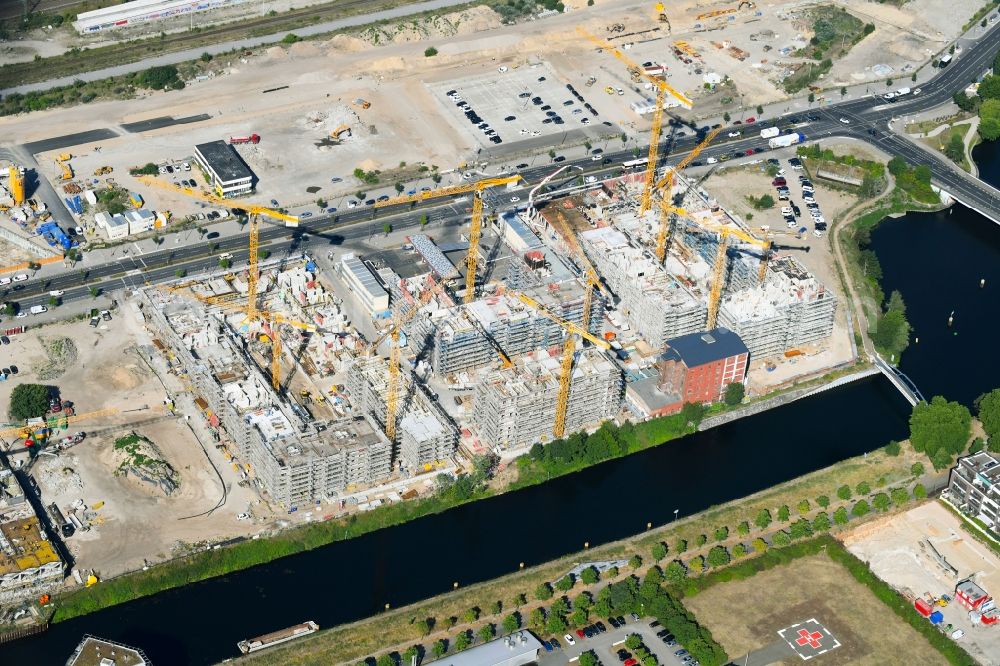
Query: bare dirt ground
[
  {"x": 136, "y": 525},
  {"x": 896, "y": 549},
  {"x": 746, "y": 615},
  {"x": 731, "y": 187}
]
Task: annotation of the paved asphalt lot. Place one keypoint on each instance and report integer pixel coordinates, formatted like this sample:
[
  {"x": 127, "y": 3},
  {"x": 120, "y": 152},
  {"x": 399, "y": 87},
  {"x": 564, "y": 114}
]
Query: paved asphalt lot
[{"x": 606, "y": 645}]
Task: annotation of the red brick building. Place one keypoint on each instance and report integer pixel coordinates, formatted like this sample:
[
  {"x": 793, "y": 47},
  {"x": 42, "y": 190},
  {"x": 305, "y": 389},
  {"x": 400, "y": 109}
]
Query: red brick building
[{"x": 698, "y": 366}]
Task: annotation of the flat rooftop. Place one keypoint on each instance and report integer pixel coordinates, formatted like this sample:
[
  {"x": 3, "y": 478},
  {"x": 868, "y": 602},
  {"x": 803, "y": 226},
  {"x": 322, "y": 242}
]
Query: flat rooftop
[
  {"x": 224, "y": 160},
  {"x": 93, "y": 651},
  {"x": 539, "y": 371},
  {"x": 24, "y": 548}
]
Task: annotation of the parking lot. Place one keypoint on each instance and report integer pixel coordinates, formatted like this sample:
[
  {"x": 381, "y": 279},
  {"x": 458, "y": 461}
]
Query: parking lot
[
  {"x": 515, "y": 104},
  {"x": 606, "y": 645}
]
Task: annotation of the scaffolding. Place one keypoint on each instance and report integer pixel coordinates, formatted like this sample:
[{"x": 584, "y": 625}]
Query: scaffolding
[
  {"x": 656, "y": 304},
  {"x": 516, "y": 407}
]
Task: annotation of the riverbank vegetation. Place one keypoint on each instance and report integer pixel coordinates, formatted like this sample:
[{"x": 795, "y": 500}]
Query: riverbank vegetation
[
  {"x": 563, "y": 456},
  {"x": 988, "y": 412},
  {"x": 941, "y": 429},
  {"x": 683, "y": 551}
]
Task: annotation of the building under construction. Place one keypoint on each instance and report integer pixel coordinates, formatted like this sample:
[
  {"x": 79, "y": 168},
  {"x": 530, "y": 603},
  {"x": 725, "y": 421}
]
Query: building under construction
[
  {"x": 291, "y": 456},
  {"x": 657, "y": 305},
  {"x": 516, "y": 407},
  {"x": 28, "y": 563},
  {"x": 426, "y": 435}
]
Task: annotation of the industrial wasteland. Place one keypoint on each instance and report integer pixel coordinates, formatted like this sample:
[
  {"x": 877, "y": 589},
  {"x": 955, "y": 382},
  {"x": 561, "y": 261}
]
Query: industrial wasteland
[{"x": 499, "y": 332}]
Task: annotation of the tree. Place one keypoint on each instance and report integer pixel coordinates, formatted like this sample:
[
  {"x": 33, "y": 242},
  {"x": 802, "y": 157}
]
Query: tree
[
  {"x": 682, "y": 546},
  {"x": 697, "y": 564},
  {"x": 919, "y": 492},
  {"x": 462, "y": 641},
  {"x": 579, "y": 617},
  {"x": 888, "y": 83},
  {"x": 721, "y": 533},
  {"x": 783, "y": 513},
  {"x": 843, "y": 91},
  {"x": 556, "y": 624},
  {"x": 487, "y": 632},
  {"x": 28, "y": 401},
  {"x": 543, "y": 592},
  {"x": 899, "y": 496},
  {"x": 821, "y": 523},
  {"x": 800, "y": 529},
  {"x": 840, "y": 516},
  {"x": 964, "y": 102},
  {"x": 10, "y": 309},
  {"x": 718, "y": 556},
  {"x": 988, "y": 410},
  {"x": 863, "y": 488},
  {"x": 881, "y": 502},
  {"x": 734, "y": 393},
  {"x": 560, "y": 606},
  {"x": 739, "y": 550},
  {"x": 726, "y": 117},
  {"x": 430, "y": 52},
  {"x": 917, "y": 469},
  {"x": 225, "y": 263},
  {"x": 565, "y": 583},
  {"x": 472, "y": 614},
  {"x": 760, "y": 110},
  {"x": 423, "y": 626},
  {"x": 537, "y": 618},
  {"x": 552, "y": 154},
  {"x": 386, "y": 228},
  {"x": 823, "y": 501},
  {"x": 674, "y": 572},
  {"x": 802, "y": 506},
  {"x": 635, "y": 562},
  {"x": 893, "y": 448},
  {"x": 989, "y": 119},
  {"x": 743, "y": 528},
  {"x": 612, "y": 573},
  {"x": 583, "y": 600},
  {"x": 940, "y": 425},
  {"x": 860, "y": 508},
  {"x": 633, "y": 641},
  {"x": 588, "y": 658},
  {"x": 763, "y": 519},
  {"x": 399, "y": 188},
  {"x": 423, "y": 220},
  {"x": 659, "y": 551},
  {"x": 590, "y": 576},
  {"x": 844, "y": 492},
  {"x": 385, "y": 660},
  {"x": 439, "y": 647},
  {"x": 701, "y": 540},
  {"x": 496, "y": 607},
  {"x": 758, "y": 545},
  {"x": 520, "y": 600},
  {"x": 955, "y": 150},
  {"x": 812, "y": 97},
  {"x": 54, "y": 301},
  {"x": 180, "y": 272},
  {"x": 512, "y": 623},
  {"x": 897, "y": 166},
  {"x": 781, "y": 538}
]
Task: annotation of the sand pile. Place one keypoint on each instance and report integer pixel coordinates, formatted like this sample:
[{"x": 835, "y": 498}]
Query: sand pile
[{"x": 474, "y": 20}]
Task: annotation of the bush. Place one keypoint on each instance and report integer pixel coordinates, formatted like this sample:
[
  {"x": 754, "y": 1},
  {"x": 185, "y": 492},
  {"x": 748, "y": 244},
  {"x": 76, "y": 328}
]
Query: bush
[
  {"x": 919, "y": 492},
  {"x": 590, "y": 576},
  {"x": 543, "y": 592},
  {"x": 659, "y": 551},
  {"x": 290, "y": 38},
  {"x": 899, "y": 496},
  {"x": 823, "y": 501},
  {"x": 861, "y": 508},
  {"x": 430, "y": 52},
  {"x": 762, "y": 202},
  {"x": 783, "y": 514},
  {"x": 158, "y": 78},
  {"x": 917, "y": 469},
  {"x": 863, "y": 488},
  {"x": 893, "y": 448},
  {"x": 28, "y": 401},
  {"x": 803, "y": 506},
  {"x": 565, "y": 583},
  {"x": 734, "y": 393}
]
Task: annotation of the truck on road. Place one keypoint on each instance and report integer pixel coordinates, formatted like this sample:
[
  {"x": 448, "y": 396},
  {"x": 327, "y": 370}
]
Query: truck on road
[
  {"x": 769, "y": 133},
  {"x": 787, "y": 140}
]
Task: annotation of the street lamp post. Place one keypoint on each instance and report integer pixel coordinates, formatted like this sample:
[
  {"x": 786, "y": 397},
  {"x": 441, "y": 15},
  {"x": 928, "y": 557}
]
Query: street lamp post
[{"x": 676, "y": 511}]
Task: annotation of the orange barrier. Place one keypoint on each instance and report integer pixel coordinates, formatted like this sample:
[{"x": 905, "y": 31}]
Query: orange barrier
[{"x": 41, "y": 262}]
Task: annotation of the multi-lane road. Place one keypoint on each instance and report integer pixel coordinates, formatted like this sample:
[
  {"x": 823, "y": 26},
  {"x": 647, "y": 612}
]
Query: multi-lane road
[{"x": 868, "y": 119}]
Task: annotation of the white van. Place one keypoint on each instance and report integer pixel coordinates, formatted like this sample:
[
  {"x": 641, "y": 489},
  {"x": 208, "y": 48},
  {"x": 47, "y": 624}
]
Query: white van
[{"x": 38, "y": 309}]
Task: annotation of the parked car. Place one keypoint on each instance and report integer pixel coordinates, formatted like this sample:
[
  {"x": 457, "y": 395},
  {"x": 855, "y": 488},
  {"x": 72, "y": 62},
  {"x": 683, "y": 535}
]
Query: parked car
[{"x": 569, "y": 640}]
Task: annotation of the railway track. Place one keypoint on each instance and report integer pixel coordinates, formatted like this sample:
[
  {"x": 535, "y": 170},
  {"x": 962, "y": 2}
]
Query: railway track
[{"x": 119, "y": 54}]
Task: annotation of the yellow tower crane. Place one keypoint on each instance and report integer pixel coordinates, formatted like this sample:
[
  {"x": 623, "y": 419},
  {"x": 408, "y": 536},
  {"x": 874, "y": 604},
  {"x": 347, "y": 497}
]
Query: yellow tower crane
[
  {"x": 254, "y": 212},
  {"x": 475, "y": 229},
  {"x": 662, "y": 90},
  {"x": 589, "y": 272},
  {"x": 667, "y": 208},
  {"x": 569, "y": 350},
  {"x": 719, "y": 266}
]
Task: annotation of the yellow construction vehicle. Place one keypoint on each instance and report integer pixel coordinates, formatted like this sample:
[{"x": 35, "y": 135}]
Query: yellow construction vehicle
[
  {"x": 254, "y": 213},
  {"x": 362, "y": 103},
  {"x": 16, "y": 184},
  {"x": 569, "y": 350},
  {"x": 67, "y": 170},
  {"x": 42, "y": 431},
  {"x": 661, "y": 15},
  {"x": 662, "y": 90},
  {"x": 100, "y": 171},
  {"x": 475, "y": 228},
  {"x": 335, "y": 134},
  {"x": 64, "y": 157}
]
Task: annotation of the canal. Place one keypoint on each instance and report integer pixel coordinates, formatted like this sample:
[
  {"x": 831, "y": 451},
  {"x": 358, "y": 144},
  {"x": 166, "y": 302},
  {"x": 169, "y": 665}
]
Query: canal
[
  {"x": 936, "y": 261},
  {"x": 201, "y": 623}
]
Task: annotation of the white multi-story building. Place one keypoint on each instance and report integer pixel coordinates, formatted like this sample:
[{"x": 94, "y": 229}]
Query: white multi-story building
[{"x": 229, "y": 174}]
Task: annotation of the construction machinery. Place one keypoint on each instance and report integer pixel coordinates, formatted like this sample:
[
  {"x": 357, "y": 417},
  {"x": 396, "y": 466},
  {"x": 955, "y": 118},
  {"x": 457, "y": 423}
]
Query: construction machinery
[
  {"x": 475, "y": 228},
  {"x": 669, "y": 209},
  {"x": 103, "y": 170},
  {"x": 38, "y": 431},
  {"x": 16, "y": 184},
  {"x": 63, "y": 162},
  {"x": 661, "y": 15},
  {"x": 569, "y": 355},
  {"x": 341, "y": 129},
  {"x": 745, "y": 4},
  {"x": 253, "y": 138},
  {"x": 662, "y": 90},
  {"x": 254, "y": 212},
  {"x": 362, "y": 103}
]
